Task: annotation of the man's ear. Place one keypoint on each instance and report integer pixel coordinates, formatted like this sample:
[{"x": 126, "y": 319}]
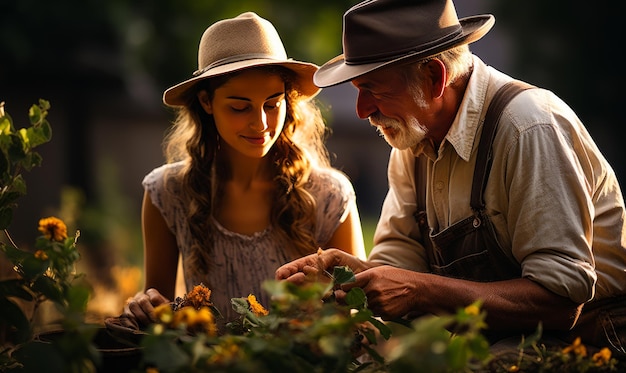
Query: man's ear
[
  {"x": 438, "y": 77},
  {"x": 205, "y": 101}
]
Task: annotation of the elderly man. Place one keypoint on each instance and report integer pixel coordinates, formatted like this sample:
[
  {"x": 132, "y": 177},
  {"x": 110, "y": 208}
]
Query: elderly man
[{"x": 517, "y": 208}]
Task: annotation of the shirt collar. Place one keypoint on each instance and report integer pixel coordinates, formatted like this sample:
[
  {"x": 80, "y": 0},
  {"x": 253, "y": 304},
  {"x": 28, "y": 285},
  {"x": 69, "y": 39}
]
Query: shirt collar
[{"x": 462, "y": 133}]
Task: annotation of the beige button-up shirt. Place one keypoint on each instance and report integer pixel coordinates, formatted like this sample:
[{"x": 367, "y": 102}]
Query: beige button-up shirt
[{"x": 553, "y": 198}]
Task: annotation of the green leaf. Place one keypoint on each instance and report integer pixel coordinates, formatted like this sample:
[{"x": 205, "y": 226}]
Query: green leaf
[
  {"x": 457, "y": 353},
  {"x": 16, "y": 148},
  {"x": 240, "y": 305},
  {"x": 6, "y": 216},
  {"x": 343, "y": 275},
  {"x": 356, "y": 298},
  {"x": 44, "y": 104},
  {"x": 6, "y": 125},
  {"x": 13, "y": 316},
  {"x": 19, "y": 186},
  {"x": 49, "y": 288},
  {"x": 13, "y": 254},
  {"x": 165, "y": 354},
  {"x": 31, "y": 160},
  {"x": 78, "y": 296},
  {"x": 384, "y": 330},
  {"x": 36, "y": 136},
  {"x": 15, "y": 288},
  {"x": 34, "y": 267},
  {"x": 35, "y": 115}
]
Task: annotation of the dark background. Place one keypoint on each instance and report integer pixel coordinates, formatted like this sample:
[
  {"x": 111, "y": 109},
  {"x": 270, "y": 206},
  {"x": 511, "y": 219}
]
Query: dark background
[{"x": 103, "y": 65}]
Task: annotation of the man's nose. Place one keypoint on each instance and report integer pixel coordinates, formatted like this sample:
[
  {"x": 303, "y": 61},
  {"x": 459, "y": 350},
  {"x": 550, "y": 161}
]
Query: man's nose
[{"x": 365, "y": 105}]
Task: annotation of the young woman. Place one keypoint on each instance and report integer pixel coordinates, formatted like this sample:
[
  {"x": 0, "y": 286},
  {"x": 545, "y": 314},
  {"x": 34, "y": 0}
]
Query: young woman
[{"x": 248, "y": 185}]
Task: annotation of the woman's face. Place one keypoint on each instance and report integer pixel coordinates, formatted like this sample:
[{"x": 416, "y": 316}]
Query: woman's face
[{"x": 249, "y": 111}]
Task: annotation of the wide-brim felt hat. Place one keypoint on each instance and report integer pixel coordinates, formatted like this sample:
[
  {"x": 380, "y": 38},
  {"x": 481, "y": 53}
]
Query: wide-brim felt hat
[
  {"x": 377, "y": 33},
  {"x": 239, "y": 43}
]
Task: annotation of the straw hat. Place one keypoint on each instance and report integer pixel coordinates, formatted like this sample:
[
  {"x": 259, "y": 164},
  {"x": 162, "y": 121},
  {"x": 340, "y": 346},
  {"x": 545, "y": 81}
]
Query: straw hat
[
  {"x": 377, "y": 33},
  {"x": 239, "y": 43}
]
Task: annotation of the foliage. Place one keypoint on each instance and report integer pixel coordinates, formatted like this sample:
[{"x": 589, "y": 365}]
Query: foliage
[
  {"x": 306, "y": 330},
  {"x": 45, "y": 274},
  {"x": 17, "y": 155},
  {"x": 533, "y": 356},
  {"x": 303, "y": 331}
]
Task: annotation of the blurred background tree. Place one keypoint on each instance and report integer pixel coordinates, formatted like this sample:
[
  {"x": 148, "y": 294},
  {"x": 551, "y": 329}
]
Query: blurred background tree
[{"x": 103, "y": 65}]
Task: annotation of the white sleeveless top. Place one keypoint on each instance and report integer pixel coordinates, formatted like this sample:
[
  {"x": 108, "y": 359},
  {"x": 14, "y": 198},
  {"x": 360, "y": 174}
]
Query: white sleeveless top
[{"x": 240, "y": 263}]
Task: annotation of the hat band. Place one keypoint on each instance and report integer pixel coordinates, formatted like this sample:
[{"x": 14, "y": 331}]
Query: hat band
[
  {"x": 232, "y": 59},
  {"x": 388, "y": 56}
]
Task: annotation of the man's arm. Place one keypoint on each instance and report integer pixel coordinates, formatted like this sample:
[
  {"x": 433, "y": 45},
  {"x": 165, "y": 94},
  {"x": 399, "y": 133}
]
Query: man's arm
[{"x": 518, "y": 304}]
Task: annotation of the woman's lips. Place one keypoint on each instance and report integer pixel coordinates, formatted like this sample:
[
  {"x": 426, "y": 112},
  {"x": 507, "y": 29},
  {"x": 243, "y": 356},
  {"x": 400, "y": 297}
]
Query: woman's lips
[{"x": 255, "y": 140}]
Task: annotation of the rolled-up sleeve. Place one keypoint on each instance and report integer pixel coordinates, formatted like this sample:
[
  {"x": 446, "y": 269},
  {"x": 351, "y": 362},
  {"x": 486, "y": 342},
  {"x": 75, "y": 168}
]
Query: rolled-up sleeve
[{"x": 550, "y": 170}]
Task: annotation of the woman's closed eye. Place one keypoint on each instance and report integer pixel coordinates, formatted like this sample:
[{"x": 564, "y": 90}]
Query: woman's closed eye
[
  {"x": 273, "y": 105},
  {"x": 240, "y": 108}
]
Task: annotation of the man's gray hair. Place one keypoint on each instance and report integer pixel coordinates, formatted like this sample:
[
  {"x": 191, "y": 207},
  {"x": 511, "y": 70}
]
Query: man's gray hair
[{"x": 458, "y": 62}]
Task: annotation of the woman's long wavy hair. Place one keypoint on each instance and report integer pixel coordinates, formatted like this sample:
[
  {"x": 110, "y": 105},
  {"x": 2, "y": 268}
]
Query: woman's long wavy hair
[{"x": 194, "y": 139}]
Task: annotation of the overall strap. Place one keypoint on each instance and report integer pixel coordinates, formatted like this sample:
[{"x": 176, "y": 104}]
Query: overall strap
[
  {"x": 484, "y": 156},
  {"x": 483, "y": 160}
]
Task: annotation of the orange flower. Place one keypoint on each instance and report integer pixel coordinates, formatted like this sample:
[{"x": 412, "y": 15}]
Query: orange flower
[
  {"x": 198, "y": 297},
  {"x": 602, "y": 357},
  {"x": 256, "y": 307},
  {"x": 41, "y": 255},
  {"x": 576, "y": 347},
  {"x": 53, "y": 229}
]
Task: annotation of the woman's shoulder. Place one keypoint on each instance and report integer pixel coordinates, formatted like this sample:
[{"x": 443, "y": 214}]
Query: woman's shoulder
[
  {"x": 168, "y": 172},
  {"x": 330, "y": 180}
]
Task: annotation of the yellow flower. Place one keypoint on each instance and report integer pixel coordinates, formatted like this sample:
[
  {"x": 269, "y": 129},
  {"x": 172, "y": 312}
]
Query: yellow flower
[
  {"x": 472, "y": 310},
  {"x": 513, "y": 368},
  {"x": 53, "y": 229},
  {"x": 576, "y": 347},
  {"x": 602, "y": 357},
  {"x": 164, "y": 313},
  {"x": 41, "y": 255},
  {"x": 205, "y": 321},
  {"x": 256, "y": 307}
]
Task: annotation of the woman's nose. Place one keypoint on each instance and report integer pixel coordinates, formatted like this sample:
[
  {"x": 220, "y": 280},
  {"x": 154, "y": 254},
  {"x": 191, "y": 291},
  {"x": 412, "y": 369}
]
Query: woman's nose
[
  {"x": 259, "y": 122},
  {"x": 365, "y": 105}
]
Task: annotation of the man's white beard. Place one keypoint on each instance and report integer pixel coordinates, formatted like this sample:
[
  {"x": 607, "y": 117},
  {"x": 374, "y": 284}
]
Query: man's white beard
[{"x": 403, "y": 135}]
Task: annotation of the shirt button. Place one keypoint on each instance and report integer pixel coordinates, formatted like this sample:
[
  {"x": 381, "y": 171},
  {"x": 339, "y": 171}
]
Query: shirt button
[{"x": 439, "y": 185}]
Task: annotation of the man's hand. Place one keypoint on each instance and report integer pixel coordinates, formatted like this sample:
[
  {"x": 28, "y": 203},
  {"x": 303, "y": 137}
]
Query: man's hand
[
  {"x": 391, "y": 292},
  {"x": 318, "y": 266}
]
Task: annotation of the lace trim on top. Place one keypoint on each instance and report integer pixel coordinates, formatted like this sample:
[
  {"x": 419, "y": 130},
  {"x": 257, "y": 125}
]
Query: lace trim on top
[{"x": 256, "y": 236}]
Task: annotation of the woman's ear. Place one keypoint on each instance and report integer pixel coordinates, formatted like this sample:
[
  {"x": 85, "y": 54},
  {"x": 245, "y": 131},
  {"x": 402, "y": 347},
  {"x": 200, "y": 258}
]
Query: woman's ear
[
  {"x": 205, "y": 101},
  {"x": 438, "y": 76}
]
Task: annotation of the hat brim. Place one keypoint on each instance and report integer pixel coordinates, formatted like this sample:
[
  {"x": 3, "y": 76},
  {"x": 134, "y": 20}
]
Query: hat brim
[
  {"x": 337, "y": 71},
  {"x": 176, "y": 95}
]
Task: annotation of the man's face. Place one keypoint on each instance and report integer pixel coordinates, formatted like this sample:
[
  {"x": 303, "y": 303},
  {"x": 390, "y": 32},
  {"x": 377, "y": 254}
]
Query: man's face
[{"x": 392, "y": 107}]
